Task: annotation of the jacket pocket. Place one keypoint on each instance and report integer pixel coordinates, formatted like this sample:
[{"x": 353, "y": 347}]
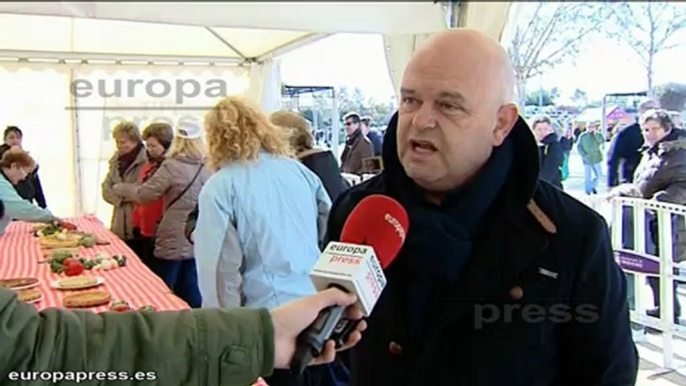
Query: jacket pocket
[{"x": 238, "y": 367}]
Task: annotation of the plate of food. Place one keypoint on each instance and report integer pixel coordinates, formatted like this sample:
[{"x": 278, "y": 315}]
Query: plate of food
[
  {"x": 19, "y": 283},
  {"x": 53, "y": 228},
  {"x": 86, "y": 299},
  {"x": 30, "y": 296},
  {"x": 77, "y": 282},
  {"x": 60, "y": 240}
]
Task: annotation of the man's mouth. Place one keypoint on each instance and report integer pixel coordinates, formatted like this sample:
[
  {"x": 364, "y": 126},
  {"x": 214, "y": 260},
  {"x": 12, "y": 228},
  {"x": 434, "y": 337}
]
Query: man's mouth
[{"x": 422, "y": 147}]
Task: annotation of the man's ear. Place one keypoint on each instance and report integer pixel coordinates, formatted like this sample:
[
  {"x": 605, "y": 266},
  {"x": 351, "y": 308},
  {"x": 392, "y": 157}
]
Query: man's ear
[{"x": 507, "y": 117}]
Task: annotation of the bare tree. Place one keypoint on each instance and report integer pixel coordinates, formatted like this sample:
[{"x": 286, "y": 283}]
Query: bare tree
[
  {"x": 649, "y": 29},
  {"x": 552, "y": 34}
]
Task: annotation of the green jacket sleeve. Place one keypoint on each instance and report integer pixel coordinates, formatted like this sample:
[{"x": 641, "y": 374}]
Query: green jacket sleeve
[{"x": 191, "y": 347}]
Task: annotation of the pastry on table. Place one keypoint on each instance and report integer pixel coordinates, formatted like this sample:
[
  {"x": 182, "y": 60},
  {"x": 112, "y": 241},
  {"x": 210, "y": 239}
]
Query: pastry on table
[
  {"x": 86, "y": 299},
  {"x": 30, "y": 295},
  {"x": 77, "y": 282},
  {"x": 18, "y": 282},
  {"x": 60, "y": 241}
]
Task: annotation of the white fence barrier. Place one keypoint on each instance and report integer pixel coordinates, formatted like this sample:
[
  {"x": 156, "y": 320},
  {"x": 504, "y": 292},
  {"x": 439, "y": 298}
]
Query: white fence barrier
[{"x": 647, "y": 250}]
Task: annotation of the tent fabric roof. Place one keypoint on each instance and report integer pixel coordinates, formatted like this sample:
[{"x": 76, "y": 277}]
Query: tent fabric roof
[{"x": 229, "y": 32}]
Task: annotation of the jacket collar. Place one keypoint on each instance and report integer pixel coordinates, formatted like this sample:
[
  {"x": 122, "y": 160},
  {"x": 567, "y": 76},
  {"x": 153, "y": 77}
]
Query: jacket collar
[
  {"x": 675, "y": 140},
  {"x": 352, "y": 138},
  {"x": 550, "y": 138}
]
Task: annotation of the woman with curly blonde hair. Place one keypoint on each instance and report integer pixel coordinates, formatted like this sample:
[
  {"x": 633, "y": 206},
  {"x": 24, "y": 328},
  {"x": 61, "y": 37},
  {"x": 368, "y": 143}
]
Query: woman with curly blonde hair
[{"x": 262, "y": 214}]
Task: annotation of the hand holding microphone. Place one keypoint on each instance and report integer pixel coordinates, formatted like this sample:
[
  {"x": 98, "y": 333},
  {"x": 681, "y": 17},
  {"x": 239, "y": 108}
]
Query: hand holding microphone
[
  {"x": 371, "y": 239},
  {"x": 292, "y": 318}
]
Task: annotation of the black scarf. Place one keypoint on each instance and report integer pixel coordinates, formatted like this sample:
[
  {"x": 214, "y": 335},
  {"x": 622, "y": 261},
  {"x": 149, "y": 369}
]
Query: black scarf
[
  {"x": 439, "y": 241},
  {"x": 349, "y": 142},
  {"x": 124, "y": 161}
]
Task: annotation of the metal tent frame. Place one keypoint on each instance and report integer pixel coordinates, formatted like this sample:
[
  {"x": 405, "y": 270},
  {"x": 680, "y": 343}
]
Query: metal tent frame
[{"x": 296, "y": 91}]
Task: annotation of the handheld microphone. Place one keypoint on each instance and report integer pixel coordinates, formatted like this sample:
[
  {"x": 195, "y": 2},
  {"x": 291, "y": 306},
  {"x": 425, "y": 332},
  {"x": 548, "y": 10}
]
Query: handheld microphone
[{"x": 370, "y": 240}]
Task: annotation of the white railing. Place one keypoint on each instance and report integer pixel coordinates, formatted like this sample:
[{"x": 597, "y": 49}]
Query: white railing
[
  {"x": 636, "y": 260},
  {"x": 354, "y": 179}
]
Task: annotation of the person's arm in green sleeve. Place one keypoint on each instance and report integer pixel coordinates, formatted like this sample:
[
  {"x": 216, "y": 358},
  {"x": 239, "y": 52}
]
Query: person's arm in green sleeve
[
  {"x": 189, "y": 347},
  {"x": 198, "y": 347}
]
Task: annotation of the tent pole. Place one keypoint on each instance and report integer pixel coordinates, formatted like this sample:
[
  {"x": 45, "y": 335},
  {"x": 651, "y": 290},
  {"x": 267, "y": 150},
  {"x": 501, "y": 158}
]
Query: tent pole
[
  {"x": 458, "y": 13},
  {"x": 76, "y": 141},
  {"x": 335, "y": 118},
  {"x": 603, "y": 119}
]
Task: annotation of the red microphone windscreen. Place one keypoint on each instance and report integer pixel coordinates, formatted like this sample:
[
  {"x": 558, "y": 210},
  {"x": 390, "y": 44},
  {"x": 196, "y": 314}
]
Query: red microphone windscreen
[{"x": 379, "y": 222}]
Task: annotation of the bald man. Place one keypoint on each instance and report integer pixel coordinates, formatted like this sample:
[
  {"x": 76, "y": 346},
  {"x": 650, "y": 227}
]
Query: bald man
[{"x": 503, "y": 279}]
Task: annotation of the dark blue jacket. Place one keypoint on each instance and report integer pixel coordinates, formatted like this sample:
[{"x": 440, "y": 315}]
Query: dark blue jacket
[
  {"x": 377, "y": 140},
  {"x": 540, "y": 303},
  {"x": 551, "y": 158},
  {"x": 624, "y": 155}
]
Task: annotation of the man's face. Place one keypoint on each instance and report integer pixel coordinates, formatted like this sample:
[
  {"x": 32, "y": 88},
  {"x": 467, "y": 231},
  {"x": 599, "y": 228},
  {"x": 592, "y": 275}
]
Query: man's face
[
  {"x": 541, "y": 130},
  {"x": 364, "y": 127},
  {"x": 593, "y": 127},
  {"x": 351, "y": 126},
  {"x": 449, "y": 121}
]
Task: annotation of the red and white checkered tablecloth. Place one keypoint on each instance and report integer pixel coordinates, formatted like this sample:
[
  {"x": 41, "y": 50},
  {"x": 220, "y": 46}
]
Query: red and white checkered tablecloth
[{"x": 20, "y": 254}]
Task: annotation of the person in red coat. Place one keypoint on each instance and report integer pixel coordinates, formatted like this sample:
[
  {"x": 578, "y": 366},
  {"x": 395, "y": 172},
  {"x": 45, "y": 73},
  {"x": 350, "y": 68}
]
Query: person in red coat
[{"x": 158, "y": 138}]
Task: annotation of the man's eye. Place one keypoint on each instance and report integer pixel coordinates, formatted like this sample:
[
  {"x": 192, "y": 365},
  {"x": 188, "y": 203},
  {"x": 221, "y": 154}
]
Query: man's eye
[
  {"x": 449, "y": 107},
  {"x": 408, "y": 100}
]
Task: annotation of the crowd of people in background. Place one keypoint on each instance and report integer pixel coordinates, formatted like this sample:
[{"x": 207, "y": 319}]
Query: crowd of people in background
[
  {"x": 646, "y": 159},
  {"x": 222, "y": 230},
  {"x": 164, "y": 184}
]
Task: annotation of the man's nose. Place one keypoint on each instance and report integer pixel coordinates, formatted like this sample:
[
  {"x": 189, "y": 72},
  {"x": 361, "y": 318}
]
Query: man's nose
[{"x": 425, "y": 117}]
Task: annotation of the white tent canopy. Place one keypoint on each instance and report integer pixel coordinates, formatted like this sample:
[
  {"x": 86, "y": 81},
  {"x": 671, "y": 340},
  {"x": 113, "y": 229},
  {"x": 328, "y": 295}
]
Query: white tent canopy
[
  {"x": 46, "y": 46},
  {"x": 220, "y": 31}
]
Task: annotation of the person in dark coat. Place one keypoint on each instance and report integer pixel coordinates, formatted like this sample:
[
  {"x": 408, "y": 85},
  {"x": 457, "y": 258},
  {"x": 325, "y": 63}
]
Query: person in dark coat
[
  {"x": 374, "y": 137},
  {"x": 29, "y": 188},
  {"x": 625, "y": 150},
  {"x": 487, "y": 244},
  {"x": 321, "y": 162},
  {"x": 566, "y": 143},
  {"x": 549, "y": 151},
  {"x": 357, "y": 146},
  {"x": 660, "y": 176}
]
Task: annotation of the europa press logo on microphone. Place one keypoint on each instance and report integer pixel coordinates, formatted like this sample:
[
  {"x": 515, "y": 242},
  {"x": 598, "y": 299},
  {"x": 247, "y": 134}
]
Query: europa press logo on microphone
[{"x": 396, "y": 225}]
